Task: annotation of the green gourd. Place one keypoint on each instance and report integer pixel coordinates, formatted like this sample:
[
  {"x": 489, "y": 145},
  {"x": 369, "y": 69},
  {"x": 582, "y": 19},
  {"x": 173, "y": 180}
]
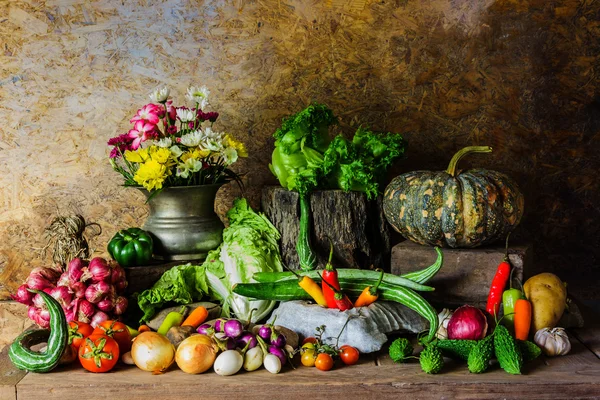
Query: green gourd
[
  {"x": 431, "y": 359},
  {"x": 454, "y": 348},
  {"x": 453, "y": 208},
  {"x": 530, "y": 350},
  {"x": 481, "y": 355},
  {"x": 507, "y": 351},
  {"x": 24, "y": 358}
]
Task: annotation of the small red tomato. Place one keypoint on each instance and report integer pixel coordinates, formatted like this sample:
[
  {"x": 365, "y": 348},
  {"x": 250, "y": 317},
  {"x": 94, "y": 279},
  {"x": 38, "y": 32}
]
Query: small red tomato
[
  {"x": 349, "y": 355},
  {"x": 99, "y": 353},
  {"x": 310, "y": 340},
  {"x": 78, "y": 331},
  {"x": 324, "y": 362},
  {"x": 116, "y": 330}
]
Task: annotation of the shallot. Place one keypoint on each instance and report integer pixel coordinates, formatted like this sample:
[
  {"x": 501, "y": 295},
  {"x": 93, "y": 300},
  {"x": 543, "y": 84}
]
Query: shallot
[{"x": 23, "y": 295}]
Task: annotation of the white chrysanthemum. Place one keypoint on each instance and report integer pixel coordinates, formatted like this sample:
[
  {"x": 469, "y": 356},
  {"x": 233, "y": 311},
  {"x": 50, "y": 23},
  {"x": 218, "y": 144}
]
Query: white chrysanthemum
[
  {"x": 198, "y": 95},
  {"x": 160, "y": 95},
  {"x": 192, "y": 139},
  {"x": 164, "y": 142},
  {"x": 186, "y": 115},
  {"x": 190, "y": 165},
  {"x": 230, "y": 155},
  {"x": 176, "y": 151}
]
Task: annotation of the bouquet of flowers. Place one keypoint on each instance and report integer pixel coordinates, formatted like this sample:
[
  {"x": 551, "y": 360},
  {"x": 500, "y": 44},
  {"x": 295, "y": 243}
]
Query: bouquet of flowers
[{"x": 175, "y": 146}]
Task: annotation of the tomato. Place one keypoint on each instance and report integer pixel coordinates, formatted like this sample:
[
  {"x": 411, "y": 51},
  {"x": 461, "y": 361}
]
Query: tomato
[
  {"x": 324, "y": 362},
  {"x": 349, "y": 355},
  {"x": 98, "y": 353},
  {"x": 78, "y": 331},
  {"x": 118, "y": 331},
  {"x": 308, "y": 346},
  {"x": 309, "y": 340},
  {"x": 308, "y": 358}
]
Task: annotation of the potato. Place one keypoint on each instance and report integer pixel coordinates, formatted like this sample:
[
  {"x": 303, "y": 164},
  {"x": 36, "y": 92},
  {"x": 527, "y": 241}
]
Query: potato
[{"x": 548, "y": 296}]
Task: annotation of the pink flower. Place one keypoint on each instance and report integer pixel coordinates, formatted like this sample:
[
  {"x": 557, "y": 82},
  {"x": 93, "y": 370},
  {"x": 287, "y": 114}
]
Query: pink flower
[
  {"x": 209, "y": 116},
  {"x": 150, "y": 112},
  {"x": 171, "y": 111},
  {"x": 141, "y": 132},
  {"x": 171, "y": 130},
  {"x": 121, "y": 142}
]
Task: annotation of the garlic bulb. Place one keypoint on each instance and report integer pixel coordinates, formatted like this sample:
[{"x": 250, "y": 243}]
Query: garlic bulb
[
  {"x": 553, "y": 341},
  {"x": 443, "y": 318}
]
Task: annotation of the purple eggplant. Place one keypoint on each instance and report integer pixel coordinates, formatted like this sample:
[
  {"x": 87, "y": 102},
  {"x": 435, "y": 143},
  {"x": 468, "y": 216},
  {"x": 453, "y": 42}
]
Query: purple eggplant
[
  {"x": 278, "y": 340},
  {"x": 265, "y": 332},
  {"x": 233, "y": 328},
  {"x": 245, "y": 338},
  {"x": 220, "y": 325},
  {"x": 280, "y": 353},
  {"x": 205, "y": 329}
]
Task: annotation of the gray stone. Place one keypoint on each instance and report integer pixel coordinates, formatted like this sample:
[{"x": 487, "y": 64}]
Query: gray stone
[
  {"x": 466, "y": 274},
  {"x": 367, "y": 328}
]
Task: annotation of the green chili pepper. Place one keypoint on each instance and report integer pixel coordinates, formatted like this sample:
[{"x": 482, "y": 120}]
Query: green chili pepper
[
  {"x": 509, "y": 298},
  {"x": 131, "y": 247},
  {"x": 172, "y": 319}
]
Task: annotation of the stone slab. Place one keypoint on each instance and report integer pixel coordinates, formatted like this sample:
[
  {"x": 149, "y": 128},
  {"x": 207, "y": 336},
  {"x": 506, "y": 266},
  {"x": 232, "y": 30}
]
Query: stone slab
[
  {"x": 466, "y": 274},
  {"x": 367, "y": 327}
]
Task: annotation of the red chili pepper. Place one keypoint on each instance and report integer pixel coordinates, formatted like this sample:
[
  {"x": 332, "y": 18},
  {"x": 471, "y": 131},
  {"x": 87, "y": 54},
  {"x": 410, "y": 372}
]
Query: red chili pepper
[
  {"x": 330, "y": 276},
  {"x": 498, "y": 284},
  {"x": 342, "y": 302}
]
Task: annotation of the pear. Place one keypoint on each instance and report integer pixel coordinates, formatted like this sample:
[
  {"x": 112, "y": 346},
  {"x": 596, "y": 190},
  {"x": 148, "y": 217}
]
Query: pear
[{"x": 548, "y": 297}]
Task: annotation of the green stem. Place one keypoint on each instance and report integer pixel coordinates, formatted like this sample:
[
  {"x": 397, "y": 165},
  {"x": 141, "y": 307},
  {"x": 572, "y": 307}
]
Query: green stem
[
  {"x": 306, "y": 255},
  {"x": 461, "y": 153}
]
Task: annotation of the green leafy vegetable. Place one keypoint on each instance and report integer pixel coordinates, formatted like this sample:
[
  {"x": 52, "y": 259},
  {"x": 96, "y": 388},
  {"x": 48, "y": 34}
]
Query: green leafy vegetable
[
  {"x": 304, "y": 159},
  {"x": 250, "y": 245}
]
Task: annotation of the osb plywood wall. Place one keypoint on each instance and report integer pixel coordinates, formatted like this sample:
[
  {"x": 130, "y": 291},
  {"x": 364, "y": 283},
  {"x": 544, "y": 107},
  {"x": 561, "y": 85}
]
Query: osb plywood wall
[{"x": 515, "y": 74}]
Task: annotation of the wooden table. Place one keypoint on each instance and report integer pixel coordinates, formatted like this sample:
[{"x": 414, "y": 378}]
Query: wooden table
[{"x": 574, "y": 376}]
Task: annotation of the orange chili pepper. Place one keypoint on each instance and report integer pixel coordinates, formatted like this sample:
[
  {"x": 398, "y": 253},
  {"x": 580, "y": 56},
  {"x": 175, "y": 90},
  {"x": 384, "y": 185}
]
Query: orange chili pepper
[
  {"x": 522, "y": 319},
  {"x": 369, "y": 295}
]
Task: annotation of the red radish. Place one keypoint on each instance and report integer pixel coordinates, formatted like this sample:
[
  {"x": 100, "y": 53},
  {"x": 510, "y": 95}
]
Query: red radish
[{"x": 467, "y": 323}]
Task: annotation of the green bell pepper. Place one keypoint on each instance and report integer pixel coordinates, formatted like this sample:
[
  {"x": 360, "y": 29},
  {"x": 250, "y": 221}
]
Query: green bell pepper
[{"x": 131, "y": 247}]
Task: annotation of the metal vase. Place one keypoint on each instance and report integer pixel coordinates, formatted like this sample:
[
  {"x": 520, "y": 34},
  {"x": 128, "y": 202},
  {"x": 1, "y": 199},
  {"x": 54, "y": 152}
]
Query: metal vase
[{"x": 183, "y": 222}]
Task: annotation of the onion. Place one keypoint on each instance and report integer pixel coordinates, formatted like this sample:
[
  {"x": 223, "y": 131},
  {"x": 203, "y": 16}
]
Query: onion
[
  {"x": 85, "y": 310},
  {"x": 152, "y": 352},
  {"x": 97, "y": 291},
  {"x": 196, "y": 354},
  {"x": 233, "y": 328},
  {"x": 37, "y": 281},
  {"x": 120, "y": 305},
  {"x": 98, "y": 318},
  {"x": 75, "y": 269},
  {"x": 98, "y": 271},
  {"x": 62, "y": 295},
  {"x": 38, "y": 316},
  {"x": 467, "y": 323},
  {"x": 117, "y": 274},
  {"x": 23, "y": 295},
  {"x": 78, "y": 289},
  {"x": 121, "y": 285},
  {"x": 38, "y": 301},
  {"x": 105, "y": 305}
]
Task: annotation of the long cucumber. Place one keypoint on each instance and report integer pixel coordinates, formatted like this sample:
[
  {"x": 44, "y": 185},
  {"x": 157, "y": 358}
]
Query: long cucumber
[
  {"x": 413, "y": 280},
  {"x": 366, "y": 277}
]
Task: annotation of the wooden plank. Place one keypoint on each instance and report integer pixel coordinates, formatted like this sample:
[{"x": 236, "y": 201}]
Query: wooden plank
[
  {"x": 9, "y": 376},
  {"x": 574, "y": 379},
  {"x": 590, "y": 337}
]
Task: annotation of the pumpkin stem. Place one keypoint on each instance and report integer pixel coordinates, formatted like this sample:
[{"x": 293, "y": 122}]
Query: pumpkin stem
[{"x": 463, "y": 152}]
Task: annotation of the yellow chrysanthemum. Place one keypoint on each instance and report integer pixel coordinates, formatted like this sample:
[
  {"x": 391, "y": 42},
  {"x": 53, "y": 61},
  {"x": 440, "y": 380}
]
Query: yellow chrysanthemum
[
  {"x": 151, "y": 175},
  {"x": 160, "y": 154},
  {"x": 239, "y": 146},
  {"x": 196, "y": 154},
  {"x": 138, "y": 156}
]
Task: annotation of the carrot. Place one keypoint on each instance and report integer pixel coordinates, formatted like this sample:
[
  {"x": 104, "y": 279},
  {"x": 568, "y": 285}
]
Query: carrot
[
  {"x": 522, "y": 319},
  {"x": 144, "y": 328},
  {"x": 196, "y": 317}
]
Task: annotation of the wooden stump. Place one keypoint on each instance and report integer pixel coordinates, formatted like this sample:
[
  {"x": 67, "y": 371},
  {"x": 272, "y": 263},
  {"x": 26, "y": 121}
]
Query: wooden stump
[{"x": 356, "y": 226}]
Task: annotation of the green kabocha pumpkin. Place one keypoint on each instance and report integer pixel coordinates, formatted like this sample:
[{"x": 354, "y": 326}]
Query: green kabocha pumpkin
[{"x": 454, "y": 208}]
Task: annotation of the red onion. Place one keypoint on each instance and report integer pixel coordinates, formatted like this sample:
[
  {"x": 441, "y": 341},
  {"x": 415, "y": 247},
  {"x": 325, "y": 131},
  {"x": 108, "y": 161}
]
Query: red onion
[
  {"x": 98, "y": 318},
  {"x": 117, "y": 274},
  {"x": 467, "y": 323},
  {"x": 75, "y": 269},
  {"x": 97, "y": 270},
  {"x": 37, "y": 281},
  {"x": 62, "y": 295},
  {"x": 39, "y": 316},
  {"x": 85, "y": 311},
  {"x": 97, "y": 291},
  {"x": 120, "y": 305},
  {"x": 38, "y": 301},
  {"x": 64, "y": 280},
  {"x": 23, "y": 295},
  {"x": 105, "y": 305},
  {"x": 70, "y": 315},
  {"x": 78, "y": 289}
]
